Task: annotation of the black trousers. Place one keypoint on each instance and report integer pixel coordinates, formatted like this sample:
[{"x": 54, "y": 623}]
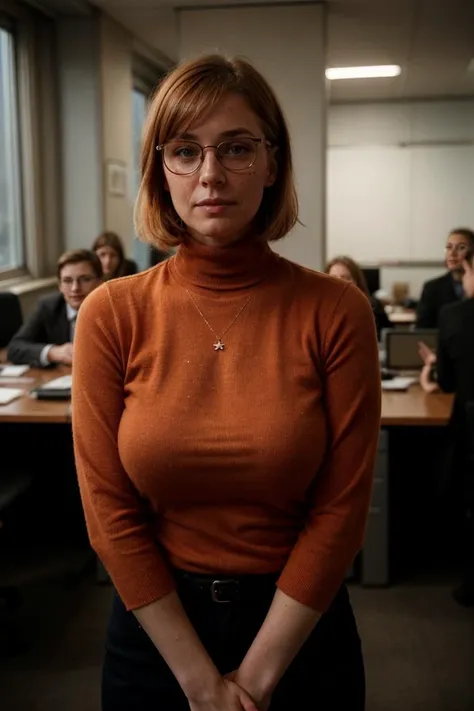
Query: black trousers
[{"x": 327, "y": 674}]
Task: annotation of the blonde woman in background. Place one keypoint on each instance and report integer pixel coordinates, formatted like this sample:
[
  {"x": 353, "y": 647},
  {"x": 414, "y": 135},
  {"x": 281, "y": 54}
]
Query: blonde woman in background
[{"x": 346, "y": 268}]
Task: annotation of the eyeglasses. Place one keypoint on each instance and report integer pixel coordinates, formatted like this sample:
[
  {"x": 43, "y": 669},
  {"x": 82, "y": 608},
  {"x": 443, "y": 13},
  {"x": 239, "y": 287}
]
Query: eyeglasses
[
  {"x": 461, "y": 248},
  {"x": 186, "y": 157},
  {"x": 80, "y": 280}
]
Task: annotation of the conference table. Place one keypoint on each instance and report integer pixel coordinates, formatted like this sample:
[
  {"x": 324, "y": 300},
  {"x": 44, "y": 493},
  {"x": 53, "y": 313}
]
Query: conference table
[
  {"x": 27, "y": 409},
  {"x": 413, "y": 410}
]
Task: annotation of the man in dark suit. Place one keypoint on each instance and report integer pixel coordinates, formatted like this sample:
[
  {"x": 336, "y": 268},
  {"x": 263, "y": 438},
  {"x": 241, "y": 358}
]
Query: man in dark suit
[
  {"x": 47, "y": 336},
  {"x": 448, "y": 288}
]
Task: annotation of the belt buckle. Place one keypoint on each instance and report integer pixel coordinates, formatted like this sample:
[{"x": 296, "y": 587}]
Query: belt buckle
[{"x": 218, "y": 591}]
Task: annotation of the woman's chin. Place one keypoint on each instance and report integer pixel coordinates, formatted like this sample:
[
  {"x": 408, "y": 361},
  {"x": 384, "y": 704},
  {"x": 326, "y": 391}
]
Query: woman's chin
[{"x": 217, "y": 235}]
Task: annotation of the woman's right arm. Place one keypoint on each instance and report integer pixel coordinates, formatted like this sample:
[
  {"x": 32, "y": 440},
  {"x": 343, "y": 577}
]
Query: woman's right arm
[
  {"x": 115, "y": 514},
  {"x": 169, "y": 628}
]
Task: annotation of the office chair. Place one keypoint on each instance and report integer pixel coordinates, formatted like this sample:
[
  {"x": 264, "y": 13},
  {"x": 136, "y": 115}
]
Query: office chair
[
  {"x": 11, "y": 317},
  {"x": 12, "y": 486}
]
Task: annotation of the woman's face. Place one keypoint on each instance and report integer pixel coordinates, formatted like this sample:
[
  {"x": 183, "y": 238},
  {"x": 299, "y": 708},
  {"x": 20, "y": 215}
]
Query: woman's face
[
  {"x": 109, "y": 259},
  {"x": 457, "y": 247},
  {"x": 340, "y": 271},
  {"x": 235, "y": 196}
]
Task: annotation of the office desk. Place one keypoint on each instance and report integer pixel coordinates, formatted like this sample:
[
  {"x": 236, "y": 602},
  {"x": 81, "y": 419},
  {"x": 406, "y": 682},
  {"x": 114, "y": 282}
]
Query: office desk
[
  {"x": 27, "y": 409},
  {"x": 413, "y": 408}
]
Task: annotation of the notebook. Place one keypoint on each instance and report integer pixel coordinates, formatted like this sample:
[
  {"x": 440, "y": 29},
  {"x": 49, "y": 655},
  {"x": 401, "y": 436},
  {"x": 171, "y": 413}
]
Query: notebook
[
  {"x": 7, "y": 395},
  {"x": 56, "y": 389}
]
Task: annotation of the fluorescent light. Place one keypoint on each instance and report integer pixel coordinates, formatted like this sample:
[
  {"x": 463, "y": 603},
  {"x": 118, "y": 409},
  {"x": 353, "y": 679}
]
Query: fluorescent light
[{"x": 382, "y": 70}]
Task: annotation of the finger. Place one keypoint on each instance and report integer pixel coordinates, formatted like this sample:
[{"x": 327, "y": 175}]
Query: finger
[{"x": 468, "y": 269}]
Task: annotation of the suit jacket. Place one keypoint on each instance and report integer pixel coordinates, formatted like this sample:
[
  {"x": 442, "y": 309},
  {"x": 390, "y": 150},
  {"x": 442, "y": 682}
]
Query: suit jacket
[
  {"x": 47, "y": 325},
  {"x": 455, "y": 361},
  {"x": 382, "y": 321},
  {"x": 436, "y": 293},
  {"x": 455, "y": 372}
]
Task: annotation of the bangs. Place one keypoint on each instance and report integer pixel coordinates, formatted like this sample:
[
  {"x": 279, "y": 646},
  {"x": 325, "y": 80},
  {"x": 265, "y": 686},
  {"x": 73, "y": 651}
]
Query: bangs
[{"x": 187, "y": 102}]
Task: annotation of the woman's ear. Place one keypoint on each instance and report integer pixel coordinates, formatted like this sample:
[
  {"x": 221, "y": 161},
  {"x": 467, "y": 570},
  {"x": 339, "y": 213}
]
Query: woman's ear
[{"x": 272, "y": 168}]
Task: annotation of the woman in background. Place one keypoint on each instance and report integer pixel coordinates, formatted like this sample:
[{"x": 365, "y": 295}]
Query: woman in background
[
  {"x": 345, "y": 268},
  {"x": 109, "y": 248}
]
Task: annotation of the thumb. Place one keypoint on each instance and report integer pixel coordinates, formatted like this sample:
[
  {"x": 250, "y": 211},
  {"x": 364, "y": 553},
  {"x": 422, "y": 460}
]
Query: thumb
[{"x": 247, "y": 702}]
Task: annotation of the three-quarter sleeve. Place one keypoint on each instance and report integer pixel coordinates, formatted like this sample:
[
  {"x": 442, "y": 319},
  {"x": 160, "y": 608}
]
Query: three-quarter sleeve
[
  {"x": 116, "y": 516},
  {"x": 339, "y": 499}
]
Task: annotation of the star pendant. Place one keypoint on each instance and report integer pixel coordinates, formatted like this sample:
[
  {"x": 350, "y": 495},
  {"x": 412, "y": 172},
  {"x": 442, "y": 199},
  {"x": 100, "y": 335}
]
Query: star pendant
[{"x": 219, "y": 346}]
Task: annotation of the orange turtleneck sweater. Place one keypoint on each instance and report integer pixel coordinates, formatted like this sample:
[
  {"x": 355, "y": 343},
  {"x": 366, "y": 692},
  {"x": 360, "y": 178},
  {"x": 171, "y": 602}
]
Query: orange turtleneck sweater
[{"x": 254, "y": 459}]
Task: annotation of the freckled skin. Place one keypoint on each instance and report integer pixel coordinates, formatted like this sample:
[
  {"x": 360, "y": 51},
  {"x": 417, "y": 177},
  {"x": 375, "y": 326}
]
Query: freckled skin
[{"x": 244, "y": 189}]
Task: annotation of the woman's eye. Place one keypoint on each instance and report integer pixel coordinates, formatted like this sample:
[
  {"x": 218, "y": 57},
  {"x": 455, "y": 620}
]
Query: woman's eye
[
  {"x": 185, "y": 152},
  {"x": 237, "y": 149}
]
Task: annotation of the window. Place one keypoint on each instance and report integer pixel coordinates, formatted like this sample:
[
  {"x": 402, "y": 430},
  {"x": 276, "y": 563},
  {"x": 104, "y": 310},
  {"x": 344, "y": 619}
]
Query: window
[
  {"x": 141, "y": 252},
  {"x": 11, "y": 229}
]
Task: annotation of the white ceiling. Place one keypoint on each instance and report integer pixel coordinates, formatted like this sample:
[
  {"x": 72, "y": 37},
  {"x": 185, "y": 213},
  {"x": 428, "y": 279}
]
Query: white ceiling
[{"x": 432, "y": 40}]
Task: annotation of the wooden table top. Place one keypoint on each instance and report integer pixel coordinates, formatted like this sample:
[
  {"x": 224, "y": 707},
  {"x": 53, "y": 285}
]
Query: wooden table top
[
  {"x": 416, "y": 408},
  {"x": 28, "y": 409},
  {"x": 411, "y": 408}
]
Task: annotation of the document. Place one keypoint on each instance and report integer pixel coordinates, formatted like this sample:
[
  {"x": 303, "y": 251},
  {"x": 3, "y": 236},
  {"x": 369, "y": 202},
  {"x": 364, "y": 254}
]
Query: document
[
  {"x": 9, "y": 394},
  {"x": 13, "y": 371},
  {"x": 398, "y": 383}
]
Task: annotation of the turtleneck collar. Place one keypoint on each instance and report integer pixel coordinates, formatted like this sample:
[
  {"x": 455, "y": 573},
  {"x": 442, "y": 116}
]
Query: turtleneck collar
[{"x": 232, "y": 267}]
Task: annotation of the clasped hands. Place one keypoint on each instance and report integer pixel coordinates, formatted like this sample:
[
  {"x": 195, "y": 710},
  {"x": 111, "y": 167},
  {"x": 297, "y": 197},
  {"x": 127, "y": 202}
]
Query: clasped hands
[{"x": 232, "y": 693}]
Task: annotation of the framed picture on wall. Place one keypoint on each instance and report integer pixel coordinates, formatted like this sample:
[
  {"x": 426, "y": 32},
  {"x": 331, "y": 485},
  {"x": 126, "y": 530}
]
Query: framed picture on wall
[{"x": 116, "y": 178}]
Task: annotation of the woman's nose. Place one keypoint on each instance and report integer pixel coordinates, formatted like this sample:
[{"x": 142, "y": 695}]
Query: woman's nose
[{"x": 211, "y": 170}]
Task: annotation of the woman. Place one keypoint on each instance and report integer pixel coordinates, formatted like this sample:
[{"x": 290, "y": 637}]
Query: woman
[
  {"x": 226, "y": 414},
  {"x": 451, "y": 370},
  {"x": 109, "y": 248},
  {"x": 345, "y": 268},
  {"x": 446, "y": 289}
]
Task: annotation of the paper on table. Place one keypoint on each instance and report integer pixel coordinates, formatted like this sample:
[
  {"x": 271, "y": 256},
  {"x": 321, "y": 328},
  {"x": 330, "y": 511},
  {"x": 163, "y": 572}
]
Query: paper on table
[
  {"x": 14, "y": 371},
  {"x": 9, "y": 394},
  {"x": 64, "y": 382},
  {"x": 398, "y": 383}
]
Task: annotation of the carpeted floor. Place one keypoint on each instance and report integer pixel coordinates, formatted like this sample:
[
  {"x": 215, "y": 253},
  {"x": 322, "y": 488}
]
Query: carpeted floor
[{"x": 419, "y": 649}]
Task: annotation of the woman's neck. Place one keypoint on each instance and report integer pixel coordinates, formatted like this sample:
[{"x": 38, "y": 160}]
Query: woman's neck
[{"x": 235, "y": 266}]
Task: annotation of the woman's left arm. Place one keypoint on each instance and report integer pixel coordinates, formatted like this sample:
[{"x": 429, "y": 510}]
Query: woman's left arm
[{"x": 339, "y": 500}]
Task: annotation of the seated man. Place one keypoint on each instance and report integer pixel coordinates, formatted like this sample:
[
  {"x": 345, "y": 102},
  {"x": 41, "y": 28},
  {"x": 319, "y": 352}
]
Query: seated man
[{"x": 47, "y": 336}]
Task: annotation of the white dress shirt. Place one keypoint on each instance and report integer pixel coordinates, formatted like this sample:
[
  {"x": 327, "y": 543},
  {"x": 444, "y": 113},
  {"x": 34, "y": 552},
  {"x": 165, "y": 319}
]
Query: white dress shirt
[{"x": 71, "y": 317}]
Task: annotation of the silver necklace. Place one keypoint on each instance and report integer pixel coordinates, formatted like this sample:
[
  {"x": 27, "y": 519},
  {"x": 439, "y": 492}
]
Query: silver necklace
[{"x": 219, "y": 345}]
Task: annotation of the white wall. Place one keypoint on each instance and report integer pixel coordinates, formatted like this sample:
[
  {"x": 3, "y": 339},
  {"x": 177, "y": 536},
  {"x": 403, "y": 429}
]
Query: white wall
[
  {"x": 80, "y": 109},
  {"x": 286, "y": 43},
  {"x": 400, "y": 177}
]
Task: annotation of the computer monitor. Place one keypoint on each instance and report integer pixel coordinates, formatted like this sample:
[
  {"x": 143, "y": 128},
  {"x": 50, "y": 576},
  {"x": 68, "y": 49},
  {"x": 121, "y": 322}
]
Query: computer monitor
[
  {"x": 401, "y": 347},
  {"x": 372, "y": 277}
]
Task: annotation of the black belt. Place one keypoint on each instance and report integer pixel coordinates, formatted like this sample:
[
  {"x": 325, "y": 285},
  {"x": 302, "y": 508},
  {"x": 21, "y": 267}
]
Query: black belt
[{"x": 223, "y": 589}]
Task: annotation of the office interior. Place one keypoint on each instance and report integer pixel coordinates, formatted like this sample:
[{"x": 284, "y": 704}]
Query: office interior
[{"x": 384, "y": 170}]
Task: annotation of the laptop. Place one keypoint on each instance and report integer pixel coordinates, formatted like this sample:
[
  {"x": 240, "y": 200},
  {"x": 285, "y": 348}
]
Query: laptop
[{"x": 401, "y": 347}]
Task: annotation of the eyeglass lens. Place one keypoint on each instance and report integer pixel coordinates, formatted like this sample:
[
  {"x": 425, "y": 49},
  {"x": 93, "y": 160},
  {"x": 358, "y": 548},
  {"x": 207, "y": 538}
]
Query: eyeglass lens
[{"x": 184, "y": 157}]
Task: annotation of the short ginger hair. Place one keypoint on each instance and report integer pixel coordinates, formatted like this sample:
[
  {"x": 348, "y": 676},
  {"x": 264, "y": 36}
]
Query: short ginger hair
[{"x": 185, "y": 95}]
